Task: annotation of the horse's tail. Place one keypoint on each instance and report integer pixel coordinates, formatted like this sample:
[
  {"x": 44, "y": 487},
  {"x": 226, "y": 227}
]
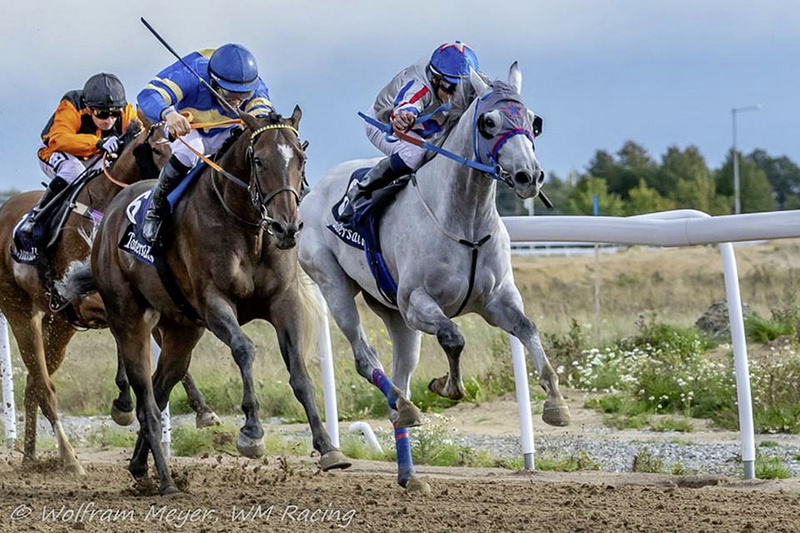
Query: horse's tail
[
  {"x": 311, "y": 311},
  {"x": 77, "y": 282}
]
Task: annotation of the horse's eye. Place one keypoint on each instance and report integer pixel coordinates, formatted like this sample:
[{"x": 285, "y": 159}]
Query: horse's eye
[{"x": 489, "y": 123}]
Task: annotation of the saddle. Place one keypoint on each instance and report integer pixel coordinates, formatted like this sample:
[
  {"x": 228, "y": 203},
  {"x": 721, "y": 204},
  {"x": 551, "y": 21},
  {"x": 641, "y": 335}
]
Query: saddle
[
  {"x": 360, "y": 227},
  {"x": 47, "y": 231}
]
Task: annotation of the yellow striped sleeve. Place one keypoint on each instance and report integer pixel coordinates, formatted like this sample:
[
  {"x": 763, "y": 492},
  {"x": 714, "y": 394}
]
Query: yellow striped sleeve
[
  {"x": 164, "y": 94},
  {"x": 260, "y": 101},
  {"x": 174, "y": 87}
]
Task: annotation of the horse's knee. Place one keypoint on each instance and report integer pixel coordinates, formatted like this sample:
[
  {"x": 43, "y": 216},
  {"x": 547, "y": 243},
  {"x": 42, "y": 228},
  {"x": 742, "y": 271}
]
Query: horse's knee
[{"x": 450, "y": 339}]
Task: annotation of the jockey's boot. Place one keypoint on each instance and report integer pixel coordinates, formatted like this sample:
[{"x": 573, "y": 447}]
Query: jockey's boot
[
  {"x": 56, "y": 185},
  {"x": 170, "y": 176},
  {"x": 382, "y": 174}
]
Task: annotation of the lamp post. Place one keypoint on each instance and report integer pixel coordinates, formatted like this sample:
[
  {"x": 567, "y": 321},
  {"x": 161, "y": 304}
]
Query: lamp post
[{"x": 736, "y": 195}]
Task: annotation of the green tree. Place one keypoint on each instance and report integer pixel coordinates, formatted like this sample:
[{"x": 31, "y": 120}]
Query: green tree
[
  {"x": 755, "y": 191},
  {"x": 558, "y": 191},
  {"x": 685, "y": 178},
  {"x": 643, "y": 199},
  {"x": 782, "y": 173},
  {"x": 580, "y": 199}
]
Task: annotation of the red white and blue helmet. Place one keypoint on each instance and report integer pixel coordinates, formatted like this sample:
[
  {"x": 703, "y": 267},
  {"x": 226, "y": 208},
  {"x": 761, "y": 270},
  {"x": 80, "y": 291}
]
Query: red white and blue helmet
[
  {"x": 452, "y": 61},
  {"x": 233, "y": 67}
]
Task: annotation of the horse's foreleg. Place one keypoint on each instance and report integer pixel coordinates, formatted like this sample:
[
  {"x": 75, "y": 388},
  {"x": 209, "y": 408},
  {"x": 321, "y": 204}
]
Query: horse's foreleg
[
  {"x": 288, "y": 318},
  {"x": 29, "y": 331},
  {"x": 405, "y": 348},
  {"x": 205, "y": 416},
  {"x": 31, "y": 414},
  {"x": 122, "y": 406},
  {"x": 505, "y": 311},
  {"x": 424, "y": 313},
  {"x": 221, "y": 320},
  {"x": 340, "y": 295}
]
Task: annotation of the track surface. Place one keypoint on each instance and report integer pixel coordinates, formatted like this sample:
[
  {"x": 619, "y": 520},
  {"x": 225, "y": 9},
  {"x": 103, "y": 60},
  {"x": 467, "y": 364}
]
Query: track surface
[{"x": 223, "y": 493}]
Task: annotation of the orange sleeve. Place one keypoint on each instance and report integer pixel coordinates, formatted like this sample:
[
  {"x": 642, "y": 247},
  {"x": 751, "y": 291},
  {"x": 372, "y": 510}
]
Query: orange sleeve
[
  {"x": 129, "y": 117},
  {"x": 63, "y": 136}
]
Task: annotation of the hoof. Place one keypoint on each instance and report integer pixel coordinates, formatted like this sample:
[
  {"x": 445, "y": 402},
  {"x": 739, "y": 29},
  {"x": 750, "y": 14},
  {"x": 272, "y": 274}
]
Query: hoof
[
  {"x": 334, "y": 459},
  {"x": 207, "y": 419},
  {"x": 556, "y": 414},
  {"x": 122, "y": 418},
  {"x": 74, "y": 469},
  {"x": 417, "y": 485},
  {"x": 439, "y": 386},
  {"x": 170, "y": 490},
  {"x": 408, "y": 416},
  {"x": 249, "y": 447}
]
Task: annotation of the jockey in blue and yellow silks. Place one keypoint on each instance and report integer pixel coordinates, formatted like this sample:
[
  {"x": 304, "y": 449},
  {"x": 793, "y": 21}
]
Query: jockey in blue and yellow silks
[{"x": 233, "y": 72}]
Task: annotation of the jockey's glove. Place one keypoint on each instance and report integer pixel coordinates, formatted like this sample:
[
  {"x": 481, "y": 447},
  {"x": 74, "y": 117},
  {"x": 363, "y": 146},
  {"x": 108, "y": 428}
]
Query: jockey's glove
[{"x": 109, "y": 145}]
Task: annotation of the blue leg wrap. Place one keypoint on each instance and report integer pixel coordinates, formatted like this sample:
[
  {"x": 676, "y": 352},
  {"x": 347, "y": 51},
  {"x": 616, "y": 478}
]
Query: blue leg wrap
[
  {"x": 380, "y": 380},
  {"x": 405, "y": 468}
]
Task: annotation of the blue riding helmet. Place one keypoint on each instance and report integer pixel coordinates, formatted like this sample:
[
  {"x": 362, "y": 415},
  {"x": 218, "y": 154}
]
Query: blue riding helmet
[
  {"x": 234, "y": 68},
  {"x": 452, "y": 61}
]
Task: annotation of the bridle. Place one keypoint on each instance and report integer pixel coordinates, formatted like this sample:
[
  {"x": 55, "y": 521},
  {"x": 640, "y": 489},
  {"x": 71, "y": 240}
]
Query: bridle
[{"x": 260, "y": 200}]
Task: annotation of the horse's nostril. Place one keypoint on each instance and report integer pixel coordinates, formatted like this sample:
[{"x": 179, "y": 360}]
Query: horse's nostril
[
  {"x": 540, "y": 179},
  {"x": 278, "y": 228},
  {"x": 523, "y": 177}
]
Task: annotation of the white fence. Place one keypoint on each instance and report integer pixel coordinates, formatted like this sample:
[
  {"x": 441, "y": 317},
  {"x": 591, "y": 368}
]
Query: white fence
[{"x": 670, "y": 228}]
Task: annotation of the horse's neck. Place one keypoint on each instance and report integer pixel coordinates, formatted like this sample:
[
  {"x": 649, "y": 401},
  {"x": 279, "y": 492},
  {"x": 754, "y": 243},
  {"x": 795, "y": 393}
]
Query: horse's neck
[
  {"x": 100, "y": 190},
  {"x": 235, "y": 197},
  {"x": 462, "y": 199}
]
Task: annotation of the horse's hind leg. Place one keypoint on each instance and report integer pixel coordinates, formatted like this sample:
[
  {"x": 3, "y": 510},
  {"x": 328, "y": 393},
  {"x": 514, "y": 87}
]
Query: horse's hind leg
[
  {"x": 405, "y": 348},
  {"x": 122, "y": 407},
  {"x": 286, "y": 315},
  {"x": 505, "y": 311},
  {"x": 133, "y": 341},
  {"x": 340, "y": 292},
  {"x": 205, "y": 415},
  {"x": 424, "y": 313}
]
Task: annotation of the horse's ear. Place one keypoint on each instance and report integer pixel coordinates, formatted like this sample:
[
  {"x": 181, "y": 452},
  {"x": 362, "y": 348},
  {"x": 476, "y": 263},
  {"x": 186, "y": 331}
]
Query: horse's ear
[
  {"x": 515, "y": 77},
  {"x": 249, "y": 121},
  {"x": 480, "y": 86},
  {"x": 297, "y": 114}
]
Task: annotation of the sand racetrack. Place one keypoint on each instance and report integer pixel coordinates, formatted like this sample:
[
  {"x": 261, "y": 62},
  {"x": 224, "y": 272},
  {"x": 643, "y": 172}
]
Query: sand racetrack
[{"x": 224, "y": 493}]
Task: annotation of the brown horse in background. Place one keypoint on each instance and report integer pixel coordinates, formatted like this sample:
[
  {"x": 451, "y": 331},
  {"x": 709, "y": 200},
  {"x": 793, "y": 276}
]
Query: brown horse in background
[
  {"x": 37, "y": 313},
  {"x": 232, "y": 253}
]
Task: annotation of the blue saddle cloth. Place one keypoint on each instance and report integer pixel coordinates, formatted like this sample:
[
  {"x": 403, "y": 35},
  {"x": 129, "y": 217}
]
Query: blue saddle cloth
[
  {"x": 132, "y": 240},
  {"x": 360, "y": 226},
  {"x": 26, "y": 249}
]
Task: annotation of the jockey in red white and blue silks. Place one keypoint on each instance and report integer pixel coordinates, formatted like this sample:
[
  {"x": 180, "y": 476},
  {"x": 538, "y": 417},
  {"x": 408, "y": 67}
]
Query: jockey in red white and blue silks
[
  {"x": 416, "y": 102},
  {"x": 233, "y": 72}
]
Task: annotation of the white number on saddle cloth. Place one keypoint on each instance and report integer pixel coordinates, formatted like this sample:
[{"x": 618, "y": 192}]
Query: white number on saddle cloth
[{"x": 136, "y": 204}]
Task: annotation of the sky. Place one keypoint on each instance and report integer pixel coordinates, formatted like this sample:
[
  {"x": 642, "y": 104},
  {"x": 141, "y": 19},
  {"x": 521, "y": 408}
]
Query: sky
[{"x": 600, "y": 72}]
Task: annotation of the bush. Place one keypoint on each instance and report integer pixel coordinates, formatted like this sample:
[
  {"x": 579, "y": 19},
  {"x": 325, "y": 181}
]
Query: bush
[{"x": 771, "y": 468}]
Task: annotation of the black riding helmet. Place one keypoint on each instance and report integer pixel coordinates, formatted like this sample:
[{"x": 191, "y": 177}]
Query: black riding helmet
[{"x": 104, "y": 91}]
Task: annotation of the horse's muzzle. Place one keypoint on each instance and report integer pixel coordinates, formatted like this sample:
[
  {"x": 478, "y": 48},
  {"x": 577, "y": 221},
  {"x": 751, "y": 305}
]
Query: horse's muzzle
[
  {"x": 285, "y": 233},
  {"x": 527, "y": 183}
]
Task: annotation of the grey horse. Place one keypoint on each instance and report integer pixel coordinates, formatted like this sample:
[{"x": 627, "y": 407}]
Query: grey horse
[{"x": 434, "y": 241}]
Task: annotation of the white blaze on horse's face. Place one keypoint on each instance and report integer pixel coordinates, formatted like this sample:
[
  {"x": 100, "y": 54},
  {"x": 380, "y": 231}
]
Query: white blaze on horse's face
[{"x": 287, "y": 152}]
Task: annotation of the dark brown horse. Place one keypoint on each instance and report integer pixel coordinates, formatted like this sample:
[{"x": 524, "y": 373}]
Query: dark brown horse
[
  {"x": 232, "y": 253},
  {"x": 29, "y": 294}
]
